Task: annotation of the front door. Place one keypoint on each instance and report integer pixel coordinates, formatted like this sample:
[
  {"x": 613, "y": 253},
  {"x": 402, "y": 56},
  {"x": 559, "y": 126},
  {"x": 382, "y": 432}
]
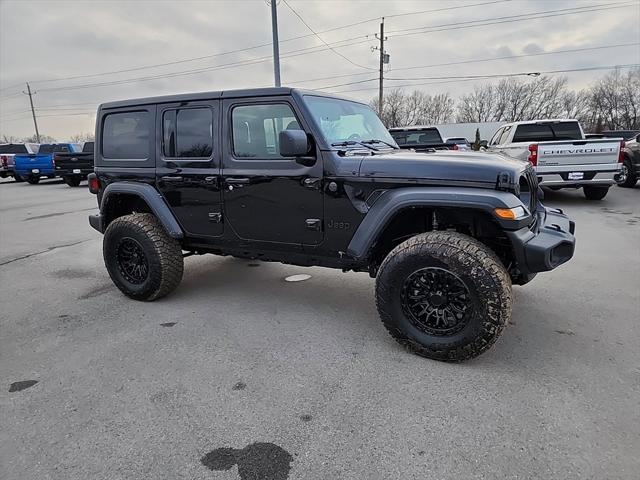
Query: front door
[
  {"x": 268, "y": 198},
  {"x": 188, "y": 165}
]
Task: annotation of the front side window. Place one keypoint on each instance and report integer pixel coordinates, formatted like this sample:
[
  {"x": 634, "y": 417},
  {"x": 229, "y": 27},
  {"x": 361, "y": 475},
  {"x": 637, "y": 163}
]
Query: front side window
[
  {"x": 126, "y": 135},
  {"x": 342, "y": 120},
  {"x": 504, "y": 136},
  {"x": 256, "y": 129},
  {"x": 188, "y": 133}
]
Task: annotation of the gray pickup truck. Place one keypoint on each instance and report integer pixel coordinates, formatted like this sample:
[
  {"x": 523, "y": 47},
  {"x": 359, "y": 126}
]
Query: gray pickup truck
[{"x": 561, "y": 155}]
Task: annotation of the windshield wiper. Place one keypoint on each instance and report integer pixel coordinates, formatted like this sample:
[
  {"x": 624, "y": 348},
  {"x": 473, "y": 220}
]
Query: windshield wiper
[
  {"x": 375, "y": 140},
  {"x": 347, "y": 143}
]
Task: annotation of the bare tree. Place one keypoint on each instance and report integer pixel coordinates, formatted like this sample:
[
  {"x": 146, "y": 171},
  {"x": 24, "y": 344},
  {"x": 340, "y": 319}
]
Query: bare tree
[
  {"x": 402, "y": 109},
  {"x": 615, "y": 100},
  {"x": 478, "y": 106},
  {"x": 82, "y": 137}
]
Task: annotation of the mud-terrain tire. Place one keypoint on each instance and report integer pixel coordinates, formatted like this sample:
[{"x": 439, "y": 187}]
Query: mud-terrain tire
[
  {"x": 459, "y": 263},
  {"x": 33, "y": 180},
  {"x": 628, "y": 177},
  {"x": 595, "y": 193},
  {"x": 143, "y": 261},
  {"x": 72, "y": 180}
]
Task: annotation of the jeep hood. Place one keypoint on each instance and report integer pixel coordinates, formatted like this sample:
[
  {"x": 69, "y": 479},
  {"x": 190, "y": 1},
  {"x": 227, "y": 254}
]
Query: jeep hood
[{"x": 443, "y": 167}]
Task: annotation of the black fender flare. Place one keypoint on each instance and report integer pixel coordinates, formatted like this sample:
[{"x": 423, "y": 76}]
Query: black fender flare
[
  {"x": 393, "y": 201},
  {"x": 151, "y": 196}
]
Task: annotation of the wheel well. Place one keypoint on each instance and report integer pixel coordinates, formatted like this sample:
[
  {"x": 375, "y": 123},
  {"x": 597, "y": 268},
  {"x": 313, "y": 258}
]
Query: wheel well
[
  {"x": 413, "y": 221},
  {"x": 123, "y": 204}
]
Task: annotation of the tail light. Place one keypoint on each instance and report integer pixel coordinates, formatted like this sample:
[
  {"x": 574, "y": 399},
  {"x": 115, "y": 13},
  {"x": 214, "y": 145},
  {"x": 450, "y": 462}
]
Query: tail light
[
  {"x": 455, "y": 147},
  {"x": 94, "y": 183},
  {"x": 533, "y": 154},
  {"x": 4, "y": 160},
  {"x": 621, "y": 154}
]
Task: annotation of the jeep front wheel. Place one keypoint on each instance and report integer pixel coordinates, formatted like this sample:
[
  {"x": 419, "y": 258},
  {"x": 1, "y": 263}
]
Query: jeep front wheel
[
  {"x": 444, "y": 296},
  {"x": 143, "y": 261}
]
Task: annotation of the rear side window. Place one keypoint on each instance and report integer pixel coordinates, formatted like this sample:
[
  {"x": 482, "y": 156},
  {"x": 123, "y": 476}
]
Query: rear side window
[
  {"x": 126, "y": 135},
  {"x": 13, "y": 148},
  {"x": 545, "y": 132},
  {"x": 256, "y": 129},
  {"x": 188, "y": 133}
]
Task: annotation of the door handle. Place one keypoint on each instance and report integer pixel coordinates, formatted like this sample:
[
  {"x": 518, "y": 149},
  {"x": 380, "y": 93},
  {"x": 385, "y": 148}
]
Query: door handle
[
  {"x": 169, "y": 178},
  {"x": 237, "y": 181},
  {"x": 311, "y": 182}
]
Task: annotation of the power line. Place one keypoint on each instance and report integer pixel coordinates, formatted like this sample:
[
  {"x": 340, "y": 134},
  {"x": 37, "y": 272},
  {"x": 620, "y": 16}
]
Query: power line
[
  {"x": 254, "y": 47},
  {"x": 290, "y": 54},
  {"x": 453, "y": 79},
  {"x": 508, "y": 19},
  {"x": 322, "y": 40}
]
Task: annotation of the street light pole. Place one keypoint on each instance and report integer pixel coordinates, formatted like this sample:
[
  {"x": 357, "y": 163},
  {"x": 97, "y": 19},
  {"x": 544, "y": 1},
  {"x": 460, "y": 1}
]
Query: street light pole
[{"x": 276, "y": 46}]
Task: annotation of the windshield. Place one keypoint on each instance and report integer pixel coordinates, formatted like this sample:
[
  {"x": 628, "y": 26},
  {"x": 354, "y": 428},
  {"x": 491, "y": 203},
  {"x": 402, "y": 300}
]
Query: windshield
[
  {"x": 342, "y": 120},
  {"x": 425, "y": 136}
]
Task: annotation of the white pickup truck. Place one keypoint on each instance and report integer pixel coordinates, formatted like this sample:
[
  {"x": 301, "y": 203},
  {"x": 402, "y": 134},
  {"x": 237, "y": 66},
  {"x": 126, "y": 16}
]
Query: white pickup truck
[{"x": 561, "y": 155}]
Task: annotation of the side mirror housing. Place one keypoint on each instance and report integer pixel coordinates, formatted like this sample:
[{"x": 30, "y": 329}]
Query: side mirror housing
[
  {"x": 484, "y": 143},
  {"x": 293, "y": 143}
]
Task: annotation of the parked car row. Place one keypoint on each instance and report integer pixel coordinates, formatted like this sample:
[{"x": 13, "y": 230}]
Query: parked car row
[
  {"x": 31, "y": 161},
  {"x": 562, "y": 155}
]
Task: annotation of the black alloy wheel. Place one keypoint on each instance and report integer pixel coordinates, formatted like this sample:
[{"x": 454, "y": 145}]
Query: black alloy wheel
[
  {"x": 132, "y": 261},
  {"x": 436, "y": 301}
]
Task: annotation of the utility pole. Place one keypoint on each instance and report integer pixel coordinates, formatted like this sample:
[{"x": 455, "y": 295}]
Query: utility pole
[
  {"x": 384, "y": 58},
  {"x": 33, "y": 112},
  {"x": 276, "y": 46}
]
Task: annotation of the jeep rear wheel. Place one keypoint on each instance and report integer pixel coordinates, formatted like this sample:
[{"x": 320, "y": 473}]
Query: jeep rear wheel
[
  {"x": 444, "y": 296},
  {"x": 595, "y": 193},
  {"x": 143, "y": 261}
]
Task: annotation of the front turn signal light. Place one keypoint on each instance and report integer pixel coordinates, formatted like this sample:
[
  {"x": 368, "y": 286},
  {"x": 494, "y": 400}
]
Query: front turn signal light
[{"x": 515, "y": 213}]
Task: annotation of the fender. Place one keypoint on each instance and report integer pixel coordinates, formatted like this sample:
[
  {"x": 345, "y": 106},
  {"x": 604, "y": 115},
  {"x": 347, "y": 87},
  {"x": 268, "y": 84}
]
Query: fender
[
  {"x": 152, "y": 198},
  {"x": 393, "y": 201}
]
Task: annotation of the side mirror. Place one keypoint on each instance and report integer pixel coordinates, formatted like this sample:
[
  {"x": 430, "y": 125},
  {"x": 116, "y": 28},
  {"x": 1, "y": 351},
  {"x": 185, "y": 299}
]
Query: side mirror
[
  {"x": 484, "y": 143},
  {"x": 638, "y": 138},
  {"x": 293, "y": 143}
]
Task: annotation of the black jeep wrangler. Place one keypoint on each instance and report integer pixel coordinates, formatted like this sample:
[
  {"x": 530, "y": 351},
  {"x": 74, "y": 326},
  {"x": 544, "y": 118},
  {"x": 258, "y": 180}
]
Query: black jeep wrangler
[{"x": 304, "y": 178}]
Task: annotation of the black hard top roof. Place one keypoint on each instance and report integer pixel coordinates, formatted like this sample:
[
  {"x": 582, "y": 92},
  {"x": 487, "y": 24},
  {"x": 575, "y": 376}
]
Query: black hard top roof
[{"x": 189, "y": 97}]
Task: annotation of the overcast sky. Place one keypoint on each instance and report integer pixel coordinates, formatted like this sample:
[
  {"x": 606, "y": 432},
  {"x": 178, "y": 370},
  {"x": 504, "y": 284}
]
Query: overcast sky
[{"x": 45, "y": 40}]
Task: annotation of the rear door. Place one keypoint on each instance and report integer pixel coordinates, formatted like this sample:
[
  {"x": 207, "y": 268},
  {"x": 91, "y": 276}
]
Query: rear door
[{"x": 188, "y": 165}]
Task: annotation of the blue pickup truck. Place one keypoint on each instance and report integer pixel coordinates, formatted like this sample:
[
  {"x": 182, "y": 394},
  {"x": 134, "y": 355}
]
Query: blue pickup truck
[{"x": 34, "y": 166}]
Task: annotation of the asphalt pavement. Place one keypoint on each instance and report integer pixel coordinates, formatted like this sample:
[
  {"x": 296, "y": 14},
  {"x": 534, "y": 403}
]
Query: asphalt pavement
[{"x": 241, "y": 375}]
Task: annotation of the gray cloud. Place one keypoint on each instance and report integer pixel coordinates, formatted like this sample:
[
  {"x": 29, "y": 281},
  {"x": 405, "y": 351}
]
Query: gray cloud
[{"x": 53, "y": 39}]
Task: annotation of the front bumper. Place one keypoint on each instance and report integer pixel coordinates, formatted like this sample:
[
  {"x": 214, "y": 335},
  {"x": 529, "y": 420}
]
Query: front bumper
[{"x": 550, "y": 244}]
